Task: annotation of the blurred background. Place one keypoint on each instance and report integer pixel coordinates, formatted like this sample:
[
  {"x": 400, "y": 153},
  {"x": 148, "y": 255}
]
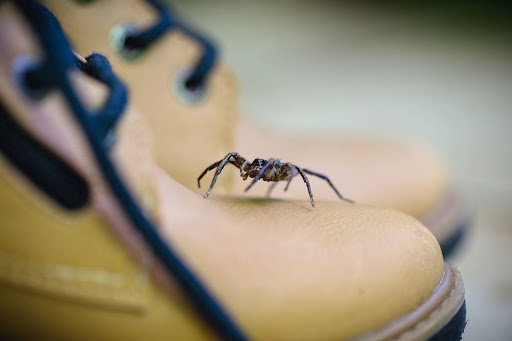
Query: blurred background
[{"x": 435, "y": 73}]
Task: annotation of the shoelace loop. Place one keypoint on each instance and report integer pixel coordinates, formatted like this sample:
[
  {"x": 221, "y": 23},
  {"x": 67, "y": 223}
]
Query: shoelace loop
[
  {"x": 98, "y": 66},
  {"x": 39, "y": 80}
]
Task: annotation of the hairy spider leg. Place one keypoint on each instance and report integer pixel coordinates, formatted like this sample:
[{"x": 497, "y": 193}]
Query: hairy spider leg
[
  {"x": 216, "y": 164},
  {"x": 260, "y": 174},
  {"x": 212, "y": 167},
  {"x": 219, "y": 169},
  {"x": 305, "y": 178},
  {"x": 326, "y": 178}
]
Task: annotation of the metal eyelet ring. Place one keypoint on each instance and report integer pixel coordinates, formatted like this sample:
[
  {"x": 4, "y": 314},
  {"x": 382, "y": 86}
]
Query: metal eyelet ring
[
  {"x": 183, "y": 92},
  {"x": 118, "y": 36},
  {"x": 110, "y": 139},
  {"x": 19, "y": 68}
]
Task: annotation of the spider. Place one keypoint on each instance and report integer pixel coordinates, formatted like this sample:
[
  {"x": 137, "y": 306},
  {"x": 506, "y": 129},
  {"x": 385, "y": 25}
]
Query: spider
[{"x": 271, "y": 170}]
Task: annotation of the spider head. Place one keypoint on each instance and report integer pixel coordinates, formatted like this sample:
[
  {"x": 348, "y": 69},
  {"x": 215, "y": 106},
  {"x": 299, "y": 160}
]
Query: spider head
[
  {"x": 252, "y": 169},
  {"x": 258, "y": 163}
]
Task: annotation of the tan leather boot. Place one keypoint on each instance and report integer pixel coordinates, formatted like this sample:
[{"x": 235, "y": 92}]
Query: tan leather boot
[
  {"x": 194, "y": 128},
  {"x": 98, "y": 243}
]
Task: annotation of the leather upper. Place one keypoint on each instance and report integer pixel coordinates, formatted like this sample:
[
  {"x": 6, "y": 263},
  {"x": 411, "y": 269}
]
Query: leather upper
[{"x": 283, "y": 269}]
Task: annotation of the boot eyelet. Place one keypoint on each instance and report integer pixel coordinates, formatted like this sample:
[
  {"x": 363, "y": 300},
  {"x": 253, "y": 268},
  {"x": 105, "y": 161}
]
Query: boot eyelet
[
  {"x": 118, "y": 35},
  {"x": 20, "y": 69},
  {"x": 187, "y": 92}
]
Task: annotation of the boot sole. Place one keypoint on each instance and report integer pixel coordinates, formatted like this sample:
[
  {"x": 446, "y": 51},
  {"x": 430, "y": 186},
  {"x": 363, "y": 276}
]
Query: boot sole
[
  {"x": 442, "y": 317},
  {"x": 449, "y": 223}
]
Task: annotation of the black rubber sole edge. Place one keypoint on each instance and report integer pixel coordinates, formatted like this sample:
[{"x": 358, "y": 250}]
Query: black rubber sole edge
[
  {"x": 454, "y": 329},
  {"x": 449, "y": 246}
]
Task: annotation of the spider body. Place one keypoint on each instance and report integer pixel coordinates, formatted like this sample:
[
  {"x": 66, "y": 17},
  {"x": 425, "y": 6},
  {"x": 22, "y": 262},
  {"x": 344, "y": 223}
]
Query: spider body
[{"x": 271, "y": 170}]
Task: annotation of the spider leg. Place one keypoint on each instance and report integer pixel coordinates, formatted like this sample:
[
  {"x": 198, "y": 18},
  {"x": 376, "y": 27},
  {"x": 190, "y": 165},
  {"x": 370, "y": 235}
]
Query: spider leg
[
  {"x": 219, "y": 169},
  {"x": 260, "y": 174},
  {"x": 216, "y": 164},
  {"x": 274, "y": 184},
  {"x": 288, "y": 184},
  {"x": 326, "y": 178},
  {"x": 305, "y": 178},
  {"x": 270, "y": 189}
]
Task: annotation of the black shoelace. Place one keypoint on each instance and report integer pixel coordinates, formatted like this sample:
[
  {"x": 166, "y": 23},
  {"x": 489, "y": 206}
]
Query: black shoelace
[
  {"x": 53, "y": 73},
  {"x": 39, "y": 79},
  {"x": 136, "y": 40}
]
